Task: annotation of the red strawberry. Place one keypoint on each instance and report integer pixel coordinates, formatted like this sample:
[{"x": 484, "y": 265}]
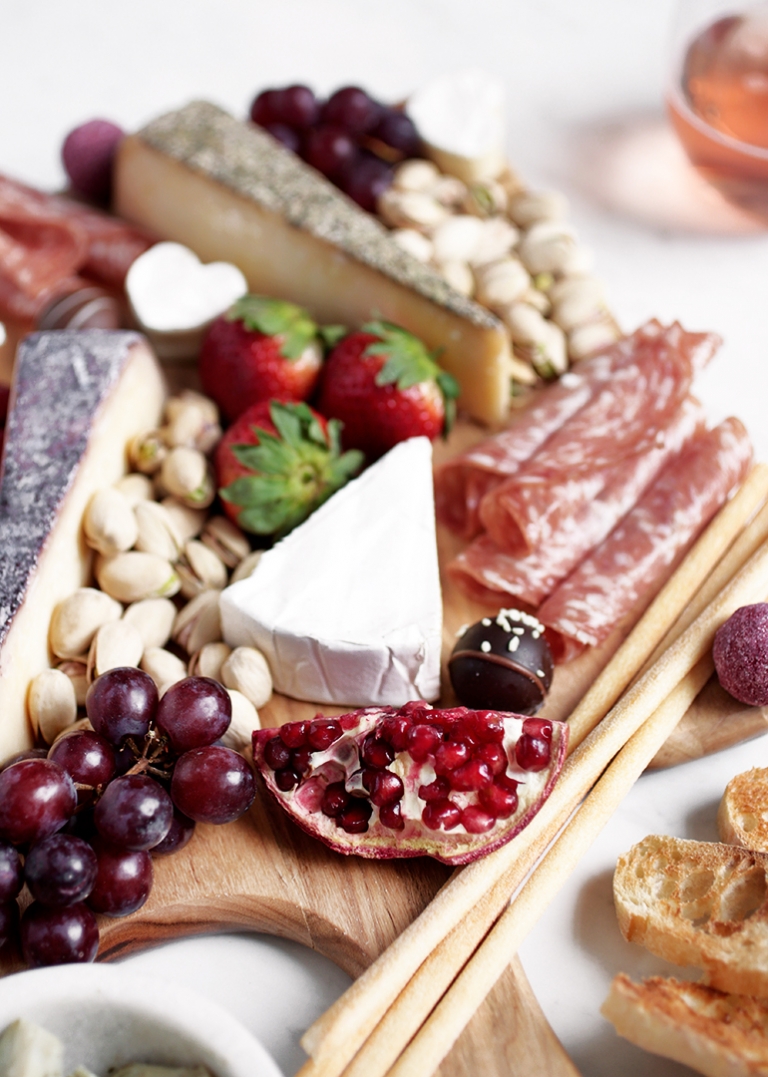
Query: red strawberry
[
  {"x": 260, "y": 349},
  {"x": 385, "y": 387},
  {"x": 277, "y": 463}
]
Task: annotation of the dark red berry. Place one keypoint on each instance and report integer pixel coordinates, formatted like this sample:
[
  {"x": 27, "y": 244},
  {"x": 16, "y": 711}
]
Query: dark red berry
[
  {"x": 294, "y": 734},
  {"x": 532, "y": 753},
  {"x": 323, "y": 732},
  {"x": 354, "y": 818},
  {"x": 441, "y": 815},
  {"x": 277, "y": 753},
  {"x": 376, "y": 752},
  {"x": 335, "y": 800},
  {"x": 390, "y": 815}
]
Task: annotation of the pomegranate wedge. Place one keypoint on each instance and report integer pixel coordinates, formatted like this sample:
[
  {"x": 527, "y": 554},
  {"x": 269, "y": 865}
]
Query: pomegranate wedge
[{"x": 414, "y": 781}]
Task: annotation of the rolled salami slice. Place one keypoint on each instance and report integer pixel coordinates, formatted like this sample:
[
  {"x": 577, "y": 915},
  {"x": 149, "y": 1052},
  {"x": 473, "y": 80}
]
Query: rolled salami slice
[
  {"x": 632, "y": 562},
  {"x": 620, "y": 423},
  {"x": 484, "y": 570}
]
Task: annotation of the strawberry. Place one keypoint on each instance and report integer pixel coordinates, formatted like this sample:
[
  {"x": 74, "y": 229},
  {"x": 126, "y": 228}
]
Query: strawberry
[
  {"x": 277, "y": 463},
  {"x": 385, "y": 387},
  {"x": 259, "y": 350}
]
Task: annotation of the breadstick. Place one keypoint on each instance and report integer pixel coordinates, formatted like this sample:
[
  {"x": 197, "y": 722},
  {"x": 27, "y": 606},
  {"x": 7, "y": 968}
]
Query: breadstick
[
  {"x": 438, "y": 1035},
  {"x": 340, "y": 1032}
]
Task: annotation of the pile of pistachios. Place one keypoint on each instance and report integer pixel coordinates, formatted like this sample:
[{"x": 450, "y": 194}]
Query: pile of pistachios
[
  {"x": 161, "y": 562},
  {"x": 511, "y": 250}
]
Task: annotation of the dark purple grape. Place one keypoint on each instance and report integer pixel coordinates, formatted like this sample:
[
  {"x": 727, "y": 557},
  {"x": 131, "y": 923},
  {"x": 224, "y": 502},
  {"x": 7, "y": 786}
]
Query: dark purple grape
[
  {"x": 88, "y": 758},
  {"x": 37, "y": 797},
  {"x": 123, "y": 880},
  {"x": 330, "y": 150},
  {"x": 134, "y": 812},
  {"x": 30, "y": 753},
  {"x": 397, "y": 130},
  {"x": 11, "y": 872},
  {"x": 366, "y": 180},
  {"x": 266, "y": 108},
  {"x": 60, "y": 870},
  {"x": 9, "y": 921},
  {"x": 194, "y": 713},
  {"x": 121, "y": 703},
  {"x": 353, "y": 109},
  {"x": 298, "y": 107},
  {"x": 177, "y": 837},
  {"x": 212, "y": 785},
  {"x": 286, "y": 135},
  {"x": 88, "y": 155},
  {"x": 52, "y": 936}
]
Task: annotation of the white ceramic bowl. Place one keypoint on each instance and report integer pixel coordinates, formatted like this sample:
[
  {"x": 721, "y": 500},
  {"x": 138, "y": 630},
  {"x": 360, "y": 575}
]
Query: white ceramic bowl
[{"x": 109, "y": 1017}]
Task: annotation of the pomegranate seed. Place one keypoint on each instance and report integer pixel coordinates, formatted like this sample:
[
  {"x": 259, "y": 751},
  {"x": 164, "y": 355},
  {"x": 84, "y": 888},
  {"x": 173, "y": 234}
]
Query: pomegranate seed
[
  {"x": 354, "y": 818},
  {"x": 441, "y": 815},
  {"x": 391, "y": 816},
  {"x": 538, "y": 727},
  {"x": 395, "y": 732},
  {"x": 473, "y": 775},
  {"x": 335, "y": 799},
  {"x": 376, "y": 752},
  {"x": 386, "y": 787},
  {"x": 450, "y": 756},
  {"x": 499, "y": 800},
  {"x": 436, "y": 790},
  {"x": 423, "y": 741},
  {"x": 486, "y": 727},
  {"x": 532, "y": 753},
  {"x": 475, "y": 820},
  {"x": 494, "y": 755},
  {"x": 415, "y": 711},
  {"x": 277, "y": 754},
  {"x": 286, "y": 779},
  {"x": 323, "y": 732},
  {"x": 294, "y": 733},
  {"x": 301, "y": 760}
]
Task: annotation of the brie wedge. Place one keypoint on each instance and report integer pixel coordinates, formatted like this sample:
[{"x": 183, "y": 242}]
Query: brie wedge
[
  {"x": 76, "y": 400},
  {"x": 347, "y": 608}
]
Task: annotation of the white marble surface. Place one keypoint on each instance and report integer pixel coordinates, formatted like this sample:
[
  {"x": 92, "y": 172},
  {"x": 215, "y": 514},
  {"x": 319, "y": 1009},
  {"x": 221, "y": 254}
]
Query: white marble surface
[{"x": 585, "y": 86}]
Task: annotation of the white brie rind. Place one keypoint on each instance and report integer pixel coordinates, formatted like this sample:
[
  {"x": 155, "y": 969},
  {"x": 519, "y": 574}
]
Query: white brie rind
[{"x": 347, "y": 608}]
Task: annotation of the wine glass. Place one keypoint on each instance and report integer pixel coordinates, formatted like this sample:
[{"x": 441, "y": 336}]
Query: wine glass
[{"x": 718, "y": 96}]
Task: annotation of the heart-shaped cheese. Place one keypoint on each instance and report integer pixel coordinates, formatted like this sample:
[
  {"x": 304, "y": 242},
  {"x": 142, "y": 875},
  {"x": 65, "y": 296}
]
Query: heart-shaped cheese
[{"x": 174, "y": 297}]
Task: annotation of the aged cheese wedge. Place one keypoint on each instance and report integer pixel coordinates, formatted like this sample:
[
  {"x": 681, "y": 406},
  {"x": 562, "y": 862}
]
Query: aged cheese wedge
[
  {"x": 347, "y": 608},
  {"x": 77, "y": 398},
  {"x": 231, "y": 193}
]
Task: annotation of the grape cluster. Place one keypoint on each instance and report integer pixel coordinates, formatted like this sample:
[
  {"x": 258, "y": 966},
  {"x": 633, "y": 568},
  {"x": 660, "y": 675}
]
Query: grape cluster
[
  {"x": 78, "y": 825},
  {"x": 351, "y": 138}
]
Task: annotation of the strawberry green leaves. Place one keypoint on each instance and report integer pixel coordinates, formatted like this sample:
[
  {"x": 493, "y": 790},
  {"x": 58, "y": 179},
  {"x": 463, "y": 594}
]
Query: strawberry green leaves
[
  {"x": 294, "y": 470},
  {"x": 276, "y": 317},
  {"x": 409, "y": 363}
]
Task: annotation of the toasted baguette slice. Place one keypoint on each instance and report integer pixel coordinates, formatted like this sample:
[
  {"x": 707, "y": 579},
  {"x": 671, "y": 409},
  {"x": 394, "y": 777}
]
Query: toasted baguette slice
[
  {"x": 717, "y": 1034},
  {"x": 701, "y": 904},
  {"x": 742, "y": 818}
]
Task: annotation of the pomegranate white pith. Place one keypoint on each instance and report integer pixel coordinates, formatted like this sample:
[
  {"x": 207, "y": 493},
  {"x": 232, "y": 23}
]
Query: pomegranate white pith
[{"x": 414, "y": 781}]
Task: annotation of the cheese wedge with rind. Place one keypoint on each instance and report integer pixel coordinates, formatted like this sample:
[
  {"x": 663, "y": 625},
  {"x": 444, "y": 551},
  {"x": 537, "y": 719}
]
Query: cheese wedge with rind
[
  {"x": 231, "y": 193},
  {"x": 347, "y": 608},
  {"x": 77, "y": 399}
]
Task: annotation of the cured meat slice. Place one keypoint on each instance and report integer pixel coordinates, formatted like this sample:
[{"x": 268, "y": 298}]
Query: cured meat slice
[
  {"x": 462, "y": 482},
  {"x": 622, "y": 421},
  {"x": 484, "y": 569},
  {"x": 47, "y": 240},
  {"x": 637, "y": 554}
]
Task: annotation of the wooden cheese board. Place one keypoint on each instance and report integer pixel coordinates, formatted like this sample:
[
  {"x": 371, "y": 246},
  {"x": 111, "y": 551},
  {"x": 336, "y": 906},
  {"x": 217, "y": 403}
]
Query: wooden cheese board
[{"x": 264, "y": 874}]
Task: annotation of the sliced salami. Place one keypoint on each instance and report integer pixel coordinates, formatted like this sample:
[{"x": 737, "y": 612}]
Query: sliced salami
[
  {"x": 483, "y": 568},
  {"x": 631, "y": 563},
  {"x": 462, "y": 482},
  {"x": 47, "y": 240},
  {"x": 621, "y": 422}
]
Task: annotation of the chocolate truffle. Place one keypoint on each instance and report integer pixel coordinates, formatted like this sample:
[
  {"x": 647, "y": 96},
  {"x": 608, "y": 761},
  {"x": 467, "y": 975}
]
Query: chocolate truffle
[
  {"x": 740, "y": 652},
  {"x": 502, "y": 663},
  {"x": 85, "y": 308}
]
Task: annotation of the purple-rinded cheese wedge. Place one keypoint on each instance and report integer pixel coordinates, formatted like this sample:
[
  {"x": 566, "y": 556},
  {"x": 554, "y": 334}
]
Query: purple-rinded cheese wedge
[{"x": 76, "y": 400}]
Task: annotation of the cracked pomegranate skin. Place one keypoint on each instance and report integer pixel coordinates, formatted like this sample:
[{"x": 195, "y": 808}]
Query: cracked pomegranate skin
[
  {"x": 386, "y": 782},
  {"x": 740, "y": 653}
]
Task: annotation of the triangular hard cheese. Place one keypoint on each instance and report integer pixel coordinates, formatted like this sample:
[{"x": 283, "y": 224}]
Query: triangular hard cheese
[
  {"x": 76, "y": 400},
  {"x": 347, "y": 608}
]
